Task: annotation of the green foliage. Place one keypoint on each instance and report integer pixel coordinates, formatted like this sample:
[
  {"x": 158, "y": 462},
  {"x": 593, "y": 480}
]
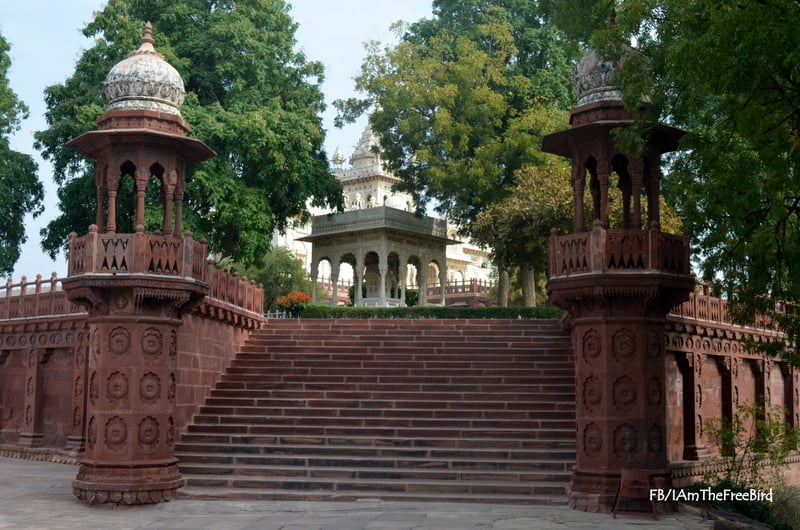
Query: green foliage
[
  {"x": 326, "y": 311},
  {"x": 464, "y": 101},
  {"x": 756, "y": 510},
  {"x": 251, "y": 97},
  {"x": 412, "y": 297},
  {"x": 727, "y": 72},
  {"x": 541, "y": 199},
  {"x": 785, "y": 507},
  {"x": 20, "y": 190},
  {"x": 280, "y": 274},
  {"x": 754, "y": 444}
]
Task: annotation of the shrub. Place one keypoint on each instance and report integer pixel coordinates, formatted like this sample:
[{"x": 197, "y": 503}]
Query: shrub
[
  {"x": 754, "y": 443},
  {"x": 294, "y": 303}
]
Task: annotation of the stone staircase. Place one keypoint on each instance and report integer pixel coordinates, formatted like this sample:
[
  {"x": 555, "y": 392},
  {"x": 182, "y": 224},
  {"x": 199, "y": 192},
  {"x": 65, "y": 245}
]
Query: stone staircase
[{"x": 440, "y": 410}]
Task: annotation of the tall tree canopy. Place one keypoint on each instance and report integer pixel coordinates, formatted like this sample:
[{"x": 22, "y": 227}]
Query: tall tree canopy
[
  {"x": 728, "y": 72},
  {"x": 464, "y": 99},
  {"x": 251, "y": 97},
  {"x": 20, "y": 190}
]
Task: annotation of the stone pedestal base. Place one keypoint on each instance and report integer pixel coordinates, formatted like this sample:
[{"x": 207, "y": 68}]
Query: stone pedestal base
[
  {"x": 117, "y": 485},
  {"x": 593, "y": 491},
  {"x": 31, "y": 439}
]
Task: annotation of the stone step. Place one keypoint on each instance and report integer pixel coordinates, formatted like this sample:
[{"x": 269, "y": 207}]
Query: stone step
[
  {"x": 382, "y": 432},
  {"x": 253, "y": 471},
  {"x": 469, "y": 411},
  {"x": 262, "y": 390},
  {"x": 358, "y": 457},
  {"x": 201, "y": 488},
  {"x": 221, "y": 441},
  {"x": 267, "y": 398},
  {"x": 349, "y": 410},
  {"x": 382, "y": 422}
]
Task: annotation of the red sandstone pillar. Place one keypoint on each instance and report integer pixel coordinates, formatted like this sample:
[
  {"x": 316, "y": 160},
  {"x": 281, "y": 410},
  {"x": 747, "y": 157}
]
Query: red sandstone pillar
[
  {"x": 133, "y": 321},
  {"x": 32, "y": 434},
  {"x": 618, "y": 316},
  {"x": 76, "y": 440}
]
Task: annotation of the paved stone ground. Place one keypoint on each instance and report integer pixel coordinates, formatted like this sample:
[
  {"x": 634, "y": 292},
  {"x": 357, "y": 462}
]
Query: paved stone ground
[{"x": 38, "y": 495}]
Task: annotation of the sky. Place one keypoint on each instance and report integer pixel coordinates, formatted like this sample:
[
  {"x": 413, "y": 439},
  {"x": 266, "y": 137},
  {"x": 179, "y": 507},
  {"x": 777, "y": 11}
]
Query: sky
[{"x": 46, "y": 42}]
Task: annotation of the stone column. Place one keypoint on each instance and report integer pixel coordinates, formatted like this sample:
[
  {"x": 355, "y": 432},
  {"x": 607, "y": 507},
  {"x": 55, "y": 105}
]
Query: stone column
[
  {"x": 621, "y": 407},
  {"x": 314, "y": 275},
  {"x": 76, "y": 440},
  {"x": 335, "y": 283},
  {"x": 691, "y": 371},
  {"x": 358, "y": 278},
  {"x": 32, "y": 434},
  {"x": 443, "y": 281},
  {"x": 383, "y": 269},
  {"x": 422, "y": 281}
]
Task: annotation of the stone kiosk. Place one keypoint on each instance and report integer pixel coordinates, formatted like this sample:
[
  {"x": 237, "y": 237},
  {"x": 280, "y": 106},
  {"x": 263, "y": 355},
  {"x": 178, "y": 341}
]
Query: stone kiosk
[
  {"x": 379, "y": 243},
  {"x": 135, "y": 286},
  {"x": 617, "y": 287}
]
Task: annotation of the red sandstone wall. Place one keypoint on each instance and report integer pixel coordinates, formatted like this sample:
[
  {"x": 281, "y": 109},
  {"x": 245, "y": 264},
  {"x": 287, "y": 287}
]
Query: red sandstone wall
[
  {"x": 43, "y": 356},
  {"x": 206, "y": 347}
]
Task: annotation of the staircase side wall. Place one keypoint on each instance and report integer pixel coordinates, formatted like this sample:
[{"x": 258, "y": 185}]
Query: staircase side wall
[{"x": 207, "y": 342}]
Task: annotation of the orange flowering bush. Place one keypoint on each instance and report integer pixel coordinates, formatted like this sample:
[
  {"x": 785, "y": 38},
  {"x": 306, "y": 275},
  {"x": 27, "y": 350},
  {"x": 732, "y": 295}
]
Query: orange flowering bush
[{"x": 293, "y": 302}]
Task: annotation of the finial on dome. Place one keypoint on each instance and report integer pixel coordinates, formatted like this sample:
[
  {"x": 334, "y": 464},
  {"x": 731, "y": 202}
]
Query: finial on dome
[
  {"x": 148, "y": 33},
  {"x": 147, "y": 42}
]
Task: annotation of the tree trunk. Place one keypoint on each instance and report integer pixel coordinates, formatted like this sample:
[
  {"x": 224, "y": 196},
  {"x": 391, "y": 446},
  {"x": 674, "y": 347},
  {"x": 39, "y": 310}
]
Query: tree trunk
[
  {"x": 528, "y": 281},
  {"x": 502, "y": 286}
]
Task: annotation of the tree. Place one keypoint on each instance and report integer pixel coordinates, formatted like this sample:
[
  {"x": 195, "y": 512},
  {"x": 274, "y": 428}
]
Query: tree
[
  {"x": 727, "y": 72},
  {"x": 20, "y": 190},
  {"x": 280, "y": 274},
  {"x": 540, "y": 200},
  {"x": 464, "y": 100},
  {"x": 250, "y": 96}
]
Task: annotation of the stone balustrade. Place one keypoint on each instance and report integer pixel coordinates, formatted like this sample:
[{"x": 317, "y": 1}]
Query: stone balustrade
[
  {"x": 38, "y": 298},
  {"x": 604, "y": 250},
  {"x": 138, "y": 253}
]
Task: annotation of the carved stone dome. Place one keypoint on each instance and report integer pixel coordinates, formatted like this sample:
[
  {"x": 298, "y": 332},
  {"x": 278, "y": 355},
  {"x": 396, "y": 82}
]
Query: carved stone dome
[
  {"x": 145, "y": 81},
  {"x": 594, "y": 80}
]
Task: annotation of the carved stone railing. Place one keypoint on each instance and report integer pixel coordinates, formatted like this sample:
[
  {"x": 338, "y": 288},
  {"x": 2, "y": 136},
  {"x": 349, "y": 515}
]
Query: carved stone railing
[
  {"x": 35, "y": 299},
  {"x": 138, "y": 253},
  {"x": 604, "y": 250},
  {"x": 454, "y": 287},
  {"x": 701, "y": 306},
  {"x": 231, "y": 289}
]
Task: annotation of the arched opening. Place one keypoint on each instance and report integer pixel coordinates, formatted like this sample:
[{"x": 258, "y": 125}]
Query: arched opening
[
  {"x": 619, "y": 164},
  {"x": 347, "y": 279},
  {"x": 594, "y": 188},
  {"x": 372, "y": 275}
]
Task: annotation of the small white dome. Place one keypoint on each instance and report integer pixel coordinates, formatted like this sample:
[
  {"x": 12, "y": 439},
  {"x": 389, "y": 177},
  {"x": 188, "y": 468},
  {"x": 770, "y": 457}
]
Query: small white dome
[{"x": 145, "y": 81}]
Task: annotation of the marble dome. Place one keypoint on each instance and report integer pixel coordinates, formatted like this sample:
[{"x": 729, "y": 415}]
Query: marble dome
[
  {"x": 145, "y": 81},
  {"x": 594, "y": 80}
]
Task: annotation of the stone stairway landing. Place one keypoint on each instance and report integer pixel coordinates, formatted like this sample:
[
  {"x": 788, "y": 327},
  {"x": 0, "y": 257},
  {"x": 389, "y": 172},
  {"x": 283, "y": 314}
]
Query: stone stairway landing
[{"x": 441, "y": 410}]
